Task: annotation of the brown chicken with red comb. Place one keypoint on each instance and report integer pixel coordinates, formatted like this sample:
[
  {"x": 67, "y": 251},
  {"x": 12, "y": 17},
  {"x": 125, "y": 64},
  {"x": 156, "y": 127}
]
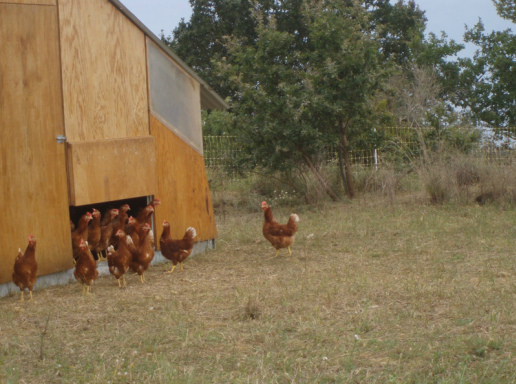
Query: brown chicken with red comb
[
  {"x": 144, "y": 253},
  {"x": 80, "y": 233},
  {"x": 120, "y": 259},
  {"x": 26, "y": 268},
  {"x": 94, "y": 230},
  {"x": 85, "y": 267},
  {"x": 176, "y": 250},
  {"x": 279, "y": 235},
  {"x": 106, "y": 230}
]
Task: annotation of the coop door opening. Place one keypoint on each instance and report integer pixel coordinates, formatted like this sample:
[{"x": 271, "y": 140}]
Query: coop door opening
[{"x": 136, "y": 205}]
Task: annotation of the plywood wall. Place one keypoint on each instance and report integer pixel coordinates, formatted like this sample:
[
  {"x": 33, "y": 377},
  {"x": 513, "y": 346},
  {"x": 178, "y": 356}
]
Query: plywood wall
[
  {"x": 182, "y": 186},
  {"x": 104, "y": 72},
  {"x": 33, "y": 187}
]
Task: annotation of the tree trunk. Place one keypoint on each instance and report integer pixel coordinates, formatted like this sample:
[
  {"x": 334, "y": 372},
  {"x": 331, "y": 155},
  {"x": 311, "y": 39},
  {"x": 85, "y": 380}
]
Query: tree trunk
[
  {"x": 320, "y": 178},
  {"x": 344, "y": 159}
]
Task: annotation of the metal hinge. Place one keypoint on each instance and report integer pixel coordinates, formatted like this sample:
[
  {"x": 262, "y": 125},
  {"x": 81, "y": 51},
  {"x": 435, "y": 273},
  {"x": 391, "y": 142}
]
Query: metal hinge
[{"x": 61, "y": 139}]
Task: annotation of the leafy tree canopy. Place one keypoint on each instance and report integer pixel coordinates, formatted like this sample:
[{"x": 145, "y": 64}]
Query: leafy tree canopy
[{"x": 489, "y": 78}]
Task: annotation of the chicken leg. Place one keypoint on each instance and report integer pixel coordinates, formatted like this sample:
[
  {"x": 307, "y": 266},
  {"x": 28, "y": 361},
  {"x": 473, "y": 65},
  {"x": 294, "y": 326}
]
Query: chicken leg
[{"x": 172, "y": 270}]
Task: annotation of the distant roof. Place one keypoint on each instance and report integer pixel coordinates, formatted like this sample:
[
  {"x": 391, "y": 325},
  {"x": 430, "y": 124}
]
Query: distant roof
[{"x": 209, "y": 98}]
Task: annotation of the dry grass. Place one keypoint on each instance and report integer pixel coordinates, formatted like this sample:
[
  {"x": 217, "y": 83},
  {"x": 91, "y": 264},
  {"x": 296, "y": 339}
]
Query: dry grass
[{"x": 376, "y": 292}]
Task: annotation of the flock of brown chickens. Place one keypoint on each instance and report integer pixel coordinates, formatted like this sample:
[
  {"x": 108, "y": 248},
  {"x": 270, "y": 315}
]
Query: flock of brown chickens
[{"x": 128, "y": 243}]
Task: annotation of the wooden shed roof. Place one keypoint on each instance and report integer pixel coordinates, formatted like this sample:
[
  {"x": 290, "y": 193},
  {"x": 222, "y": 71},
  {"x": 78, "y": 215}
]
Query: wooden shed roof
[{"x": 209, "y": 98}]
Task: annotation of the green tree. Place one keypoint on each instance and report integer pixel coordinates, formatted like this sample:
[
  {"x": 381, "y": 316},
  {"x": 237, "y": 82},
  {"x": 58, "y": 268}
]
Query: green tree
[
  {"x": 200, "y": 41},
  {"x": 345, "y": 69},
  {"x": 489, "y": 78},
  {"x": 270, "y": 103},
  {"x": 294, "y": 98},
  {"x": 506, "y": 9},
  {"x": 302, "y": 74}
]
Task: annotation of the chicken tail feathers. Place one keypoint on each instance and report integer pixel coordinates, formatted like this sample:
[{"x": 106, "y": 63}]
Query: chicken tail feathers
[
  {"x": 293, "y": 220},
  {"x": 190, "y": 233}
]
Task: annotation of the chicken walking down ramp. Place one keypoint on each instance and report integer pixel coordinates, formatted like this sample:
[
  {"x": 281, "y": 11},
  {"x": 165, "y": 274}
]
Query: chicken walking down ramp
[
  {"x": 176, "y": 250},
  {"x": 279, "y": 235},
  {"x": 25, "y": 268}
]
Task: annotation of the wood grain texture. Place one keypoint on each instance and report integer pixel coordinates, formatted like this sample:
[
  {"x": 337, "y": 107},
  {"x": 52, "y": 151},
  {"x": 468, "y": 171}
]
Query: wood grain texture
[
  {"x": 115, "y": 169},
  {"x": 31, "y": 2},
  {"x": 33, "y": 186},
  {"x": 182, "y": 186},
  {"x": 104, "y": 72}
]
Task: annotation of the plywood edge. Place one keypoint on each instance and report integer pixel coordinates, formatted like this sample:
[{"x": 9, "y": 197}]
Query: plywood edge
[
  {"x": 186, "y": 197},
  {"x": 30, "y": 2}
]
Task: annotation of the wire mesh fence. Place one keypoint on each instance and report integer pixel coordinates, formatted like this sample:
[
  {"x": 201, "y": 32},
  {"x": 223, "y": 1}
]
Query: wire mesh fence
[{"x": 221, "y": 152}]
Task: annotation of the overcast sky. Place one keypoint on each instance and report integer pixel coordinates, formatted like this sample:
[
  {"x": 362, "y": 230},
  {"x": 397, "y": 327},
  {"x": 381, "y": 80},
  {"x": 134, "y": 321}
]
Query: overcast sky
[{"x": 449, "y": 16}]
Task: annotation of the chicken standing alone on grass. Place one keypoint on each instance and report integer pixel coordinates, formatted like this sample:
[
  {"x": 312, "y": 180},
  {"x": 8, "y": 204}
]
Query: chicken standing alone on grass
[
  {"x": 120, "y": 259},
  {"x": 176, "y": 250},
  {"x": 85, "y": 267},
  {"x": 25, "y": 268},
  {"x": 279, "y": 235}
]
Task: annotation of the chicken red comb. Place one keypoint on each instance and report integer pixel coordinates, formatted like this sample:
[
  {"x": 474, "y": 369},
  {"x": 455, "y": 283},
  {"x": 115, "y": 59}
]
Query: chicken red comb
[
  {"x": 264, "y": 203},
  {"x": 165, "y": 222},
  {"x": 31, "y": 236}
]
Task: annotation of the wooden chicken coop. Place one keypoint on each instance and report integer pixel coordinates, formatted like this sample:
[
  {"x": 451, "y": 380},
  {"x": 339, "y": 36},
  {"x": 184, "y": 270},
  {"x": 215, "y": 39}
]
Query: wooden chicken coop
[{"x": 94, "y": 109}]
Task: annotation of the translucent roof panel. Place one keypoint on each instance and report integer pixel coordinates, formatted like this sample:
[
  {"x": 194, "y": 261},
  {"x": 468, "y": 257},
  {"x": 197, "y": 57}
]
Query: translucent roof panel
[{"x": 174, "y": 97}]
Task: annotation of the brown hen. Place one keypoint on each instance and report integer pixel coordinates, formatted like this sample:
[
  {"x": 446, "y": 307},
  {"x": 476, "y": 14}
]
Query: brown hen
[
  {"x": 144, "y": 253},
  {"x": 85, "y": 267},
  {"x": 80, "y": 233},
  {"x": 120, "y": 259},
  {"x": 279, "y": 235},
  {"x": 176, "y": 250},
  {"x": 25, "y": 268}
]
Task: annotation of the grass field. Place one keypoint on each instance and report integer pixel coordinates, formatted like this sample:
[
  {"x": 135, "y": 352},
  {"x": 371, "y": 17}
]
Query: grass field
[{"x": 375, "y": 292}]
